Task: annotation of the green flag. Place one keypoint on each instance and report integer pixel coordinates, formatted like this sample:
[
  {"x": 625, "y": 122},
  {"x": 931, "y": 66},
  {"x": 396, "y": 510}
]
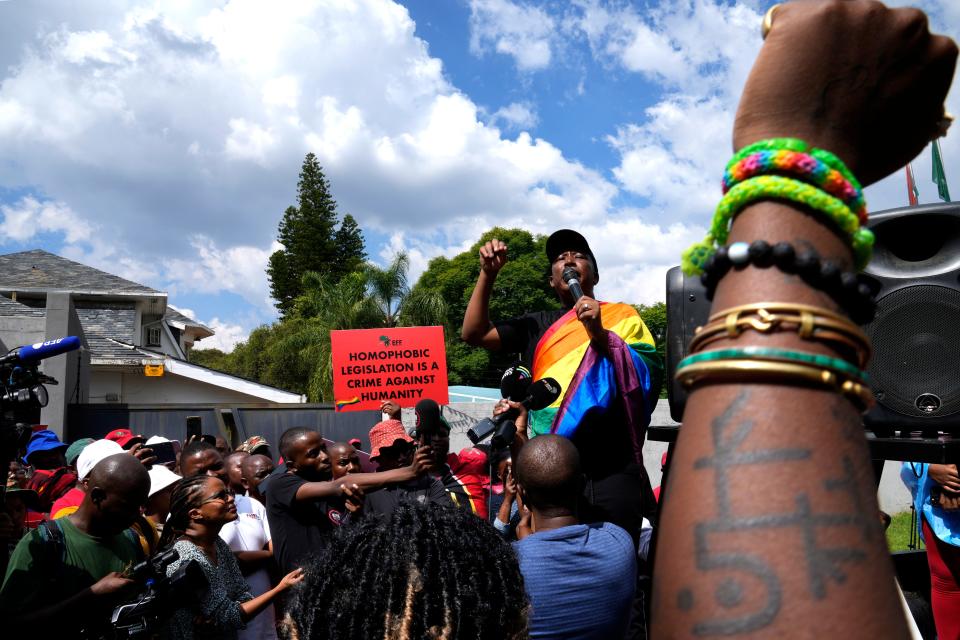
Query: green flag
[{"x": 939, "y": 176}]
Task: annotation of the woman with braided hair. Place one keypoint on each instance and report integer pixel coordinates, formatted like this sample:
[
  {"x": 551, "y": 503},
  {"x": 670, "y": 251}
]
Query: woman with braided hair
[
  {"x": 199, "y": 507},
  {"x": 422, "y": 572}
]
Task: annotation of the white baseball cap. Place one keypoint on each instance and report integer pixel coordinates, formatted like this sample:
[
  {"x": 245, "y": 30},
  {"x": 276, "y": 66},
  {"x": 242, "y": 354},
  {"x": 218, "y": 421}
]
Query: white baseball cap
[
  {"x": 155, "y": 440},
  {"x": 93, "y": 453},
  {"x": 161, "y": 478}
]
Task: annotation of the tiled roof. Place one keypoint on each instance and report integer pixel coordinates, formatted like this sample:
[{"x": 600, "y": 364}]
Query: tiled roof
[
  {"x": 172, "y": 315},
  {"x": 41, "y": 270},
  {"x": 107, "y": 349},
  {"x": 109, "y": 323},
  {"x": 109, "y": 331},
  {"x": 10, "y": 307}
]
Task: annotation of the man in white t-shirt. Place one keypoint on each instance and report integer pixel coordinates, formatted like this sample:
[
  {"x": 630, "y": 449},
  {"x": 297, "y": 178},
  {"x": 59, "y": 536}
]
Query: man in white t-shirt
[{"x": 249, "y": 538}]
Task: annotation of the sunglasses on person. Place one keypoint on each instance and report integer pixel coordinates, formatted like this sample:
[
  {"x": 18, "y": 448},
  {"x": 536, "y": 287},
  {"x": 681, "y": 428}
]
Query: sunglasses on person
[{"x": 222, "y": 496}]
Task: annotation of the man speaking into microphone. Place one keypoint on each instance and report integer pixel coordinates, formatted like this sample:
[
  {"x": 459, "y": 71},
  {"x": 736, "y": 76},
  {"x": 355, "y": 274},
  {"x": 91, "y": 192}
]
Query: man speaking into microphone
[{"x": 605, "y": 360}]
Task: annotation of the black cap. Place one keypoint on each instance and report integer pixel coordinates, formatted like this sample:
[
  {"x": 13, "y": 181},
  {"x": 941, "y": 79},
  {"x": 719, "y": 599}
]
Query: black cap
[{"x": 568, "y": 240}]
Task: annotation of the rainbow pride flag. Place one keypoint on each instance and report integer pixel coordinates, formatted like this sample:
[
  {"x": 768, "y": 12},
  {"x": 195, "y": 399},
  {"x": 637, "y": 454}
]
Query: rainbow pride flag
[
  {"x": 593, "y": 382},
  {"x": 340, "y": 404}
]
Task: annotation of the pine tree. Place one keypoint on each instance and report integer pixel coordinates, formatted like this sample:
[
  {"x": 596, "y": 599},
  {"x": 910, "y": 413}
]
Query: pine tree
[
  {"x": 311, "y": 240},
  {"x": 350, "y": 248}
]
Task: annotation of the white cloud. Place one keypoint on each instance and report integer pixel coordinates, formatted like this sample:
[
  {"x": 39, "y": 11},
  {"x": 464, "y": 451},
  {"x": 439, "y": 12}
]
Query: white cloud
[
  {"x": 167, "y": 138},
  {"x": 192, "y": 123},
  {"x": 516, "y": 115},
  {"x": 226, "y": 336},
  {"x": 700, "y": 52},
  {"x": 30, "y": 217},
  {"x": 515, "y": 29},
  {"x": 238, "y": 269}
]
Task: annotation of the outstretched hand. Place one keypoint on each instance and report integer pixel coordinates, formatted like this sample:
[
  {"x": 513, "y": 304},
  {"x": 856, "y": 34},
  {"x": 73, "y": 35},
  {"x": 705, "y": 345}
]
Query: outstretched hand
[
  {"x": 353, "y": 497},
  {"x": 856, "y": 78},
  {"x": 293, "y": 578}
]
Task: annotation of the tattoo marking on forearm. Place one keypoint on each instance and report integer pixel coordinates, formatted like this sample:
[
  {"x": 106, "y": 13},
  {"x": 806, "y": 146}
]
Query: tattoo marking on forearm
[{"x": 823, "y": 562}]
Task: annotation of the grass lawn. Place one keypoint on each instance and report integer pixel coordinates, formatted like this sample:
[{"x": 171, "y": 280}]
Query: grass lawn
[{"x": 898, "y": 535}]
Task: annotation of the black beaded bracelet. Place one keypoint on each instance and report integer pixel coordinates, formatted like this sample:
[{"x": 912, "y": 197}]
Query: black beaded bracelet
[{"x": 845, "y": 287}]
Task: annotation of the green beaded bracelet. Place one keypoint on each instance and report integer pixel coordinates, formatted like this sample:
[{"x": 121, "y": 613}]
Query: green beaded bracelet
[
  {"x": 778, "y": 188},
  {"x": 782, "y": 355}
]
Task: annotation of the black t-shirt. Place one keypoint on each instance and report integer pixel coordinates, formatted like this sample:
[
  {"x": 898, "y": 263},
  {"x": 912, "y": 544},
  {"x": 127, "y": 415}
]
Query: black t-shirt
[
  {"x": 421, "y": 490},
  {"x": 520, "y": 335},
  {"x": 299, "y": 528}
]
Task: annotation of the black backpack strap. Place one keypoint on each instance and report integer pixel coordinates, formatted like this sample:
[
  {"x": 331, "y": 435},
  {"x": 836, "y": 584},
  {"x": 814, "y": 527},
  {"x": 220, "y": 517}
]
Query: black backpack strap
[{"x": 52, "y": 536}]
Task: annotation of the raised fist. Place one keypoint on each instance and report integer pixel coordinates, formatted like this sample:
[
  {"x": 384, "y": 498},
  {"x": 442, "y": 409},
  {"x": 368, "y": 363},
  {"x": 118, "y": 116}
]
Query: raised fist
[
  {"x": 493, "y": 255},
  {"x": 853, "y": 77}
]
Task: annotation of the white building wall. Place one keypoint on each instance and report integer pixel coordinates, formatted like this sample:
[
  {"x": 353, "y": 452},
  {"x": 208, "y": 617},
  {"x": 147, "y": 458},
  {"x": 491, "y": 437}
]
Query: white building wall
[
  {"x": 136, "y": 388},
  {"x": 104, "y": 382}
]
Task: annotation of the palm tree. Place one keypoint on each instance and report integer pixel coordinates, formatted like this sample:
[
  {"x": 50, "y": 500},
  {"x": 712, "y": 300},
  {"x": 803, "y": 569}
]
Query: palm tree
[{"x": 371, "y": 298}]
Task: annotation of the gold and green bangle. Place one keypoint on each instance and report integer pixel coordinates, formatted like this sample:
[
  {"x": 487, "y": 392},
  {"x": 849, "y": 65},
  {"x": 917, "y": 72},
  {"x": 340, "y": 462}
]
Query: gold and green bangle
[
  {"x": 776, "y": 355},
  {"x": 767, "y": 372},
  {"x": 772, "y": 187}
]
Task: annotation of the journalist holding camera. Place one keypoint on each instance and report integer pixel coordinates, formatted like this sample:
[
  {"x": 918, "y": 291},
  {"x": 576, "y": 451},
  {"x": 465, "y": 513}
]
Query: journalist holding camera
[{"x": 68, "y": 573}]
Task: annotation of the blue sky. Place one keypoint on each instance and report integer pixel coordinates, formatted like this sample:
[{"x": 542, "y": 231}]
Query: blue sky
[{"x": 161, "y": 141}]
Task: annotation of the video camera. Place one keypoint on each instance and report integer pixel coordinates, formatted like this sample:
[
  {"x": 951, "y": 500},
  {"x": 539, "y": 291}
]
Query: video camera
[
  {"x": 160, "y": 596},
  {"x": 22, "y": 390}
]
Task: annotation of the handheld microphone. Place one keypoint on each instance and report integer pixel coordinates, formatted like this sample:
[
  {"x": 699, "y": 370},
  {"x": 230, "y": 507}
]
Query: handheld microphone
[
  {"x": 41, "y": 350},
  {"x": 516, "y": 382},
  {"x": 428, "y": 418},
  {"x": 541, "y": 395},
  {"x": 572, "y": 278}
]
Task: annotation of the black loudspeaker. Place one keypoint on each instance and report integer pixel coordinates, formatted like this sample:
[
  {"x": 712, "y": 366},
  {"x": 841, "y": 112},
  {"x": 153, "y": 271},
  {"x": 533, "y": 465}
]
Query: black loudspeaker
[
  {"x": 687, "y": 309},
  {"x": 916, "y": 333},
  {"x": 915, "y": 271}
]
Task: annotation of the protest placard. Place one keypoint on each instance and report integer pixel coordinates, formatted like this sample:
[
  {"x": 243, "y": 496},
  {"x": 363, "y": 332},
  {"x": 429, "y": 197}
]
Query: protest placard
[{"x": 403, "y": 365}]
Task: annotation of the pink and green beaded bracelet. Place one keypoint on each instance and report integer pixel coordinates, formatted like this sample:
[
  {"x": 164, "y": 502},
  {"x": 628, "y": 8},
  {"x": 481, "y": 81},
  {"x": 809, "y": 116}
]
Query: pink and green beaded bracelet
[{"x": 800, "y": 165}]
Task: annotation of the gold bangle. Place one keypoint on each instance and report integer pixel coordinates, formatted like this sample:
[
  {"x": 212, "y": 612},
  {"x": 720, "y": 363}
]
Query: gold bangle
[
  {"x": 809, "y": 325},
  {"x": 780, "y": 306},
  {"x": 761, "y": 371}
]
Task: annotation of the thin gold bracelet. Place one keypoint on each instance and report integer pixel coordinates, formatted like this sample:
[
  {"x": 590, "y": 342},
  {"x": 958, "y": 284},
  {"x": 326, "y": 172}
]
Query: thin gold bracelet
[
  {"x": 761, "y": 371},
  {"x": 780, "y": 306},
  {"x": 808, "y": 324}
]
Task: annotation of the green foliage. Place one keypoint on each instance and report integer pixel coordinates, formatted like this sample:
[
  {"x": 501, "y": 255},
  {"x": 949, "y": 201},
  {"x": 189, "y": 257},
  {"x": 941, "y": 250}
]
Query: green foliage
[
  {"x": 294, "y": 353},
  {"x": 311, "y": 239},
  {"x": 522, "y": 285}
]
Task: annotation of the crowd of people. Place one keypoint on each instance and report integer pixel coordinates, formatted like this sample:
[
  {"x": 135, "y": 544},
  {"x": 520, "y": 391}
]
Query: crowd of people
[
  {"x": 258, "y": 522},
  {"x": 548, "y": 536}
]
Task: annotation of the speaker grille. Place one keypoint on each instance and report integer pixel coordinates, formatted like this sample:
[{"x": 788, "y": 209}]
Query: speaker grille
[{"x": 916, "y": 342}]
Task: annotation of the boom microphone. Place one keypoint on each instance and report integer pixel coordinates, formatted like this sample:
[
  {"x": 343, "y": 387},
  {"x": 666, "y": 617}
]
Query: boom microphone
[
  {"x": 515, "y": 382},
  {"x": 572, "y": 278},
  {"x": 541, "y": 395},
  {"x": 41, "y": 350}
]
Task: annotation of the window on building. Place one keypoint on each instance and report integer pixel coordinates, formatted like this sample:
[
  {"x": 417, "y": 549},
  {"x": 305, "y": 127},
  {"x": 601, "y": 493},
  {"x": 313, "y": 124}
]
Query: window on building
[{"x": 153, "y": 336}]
